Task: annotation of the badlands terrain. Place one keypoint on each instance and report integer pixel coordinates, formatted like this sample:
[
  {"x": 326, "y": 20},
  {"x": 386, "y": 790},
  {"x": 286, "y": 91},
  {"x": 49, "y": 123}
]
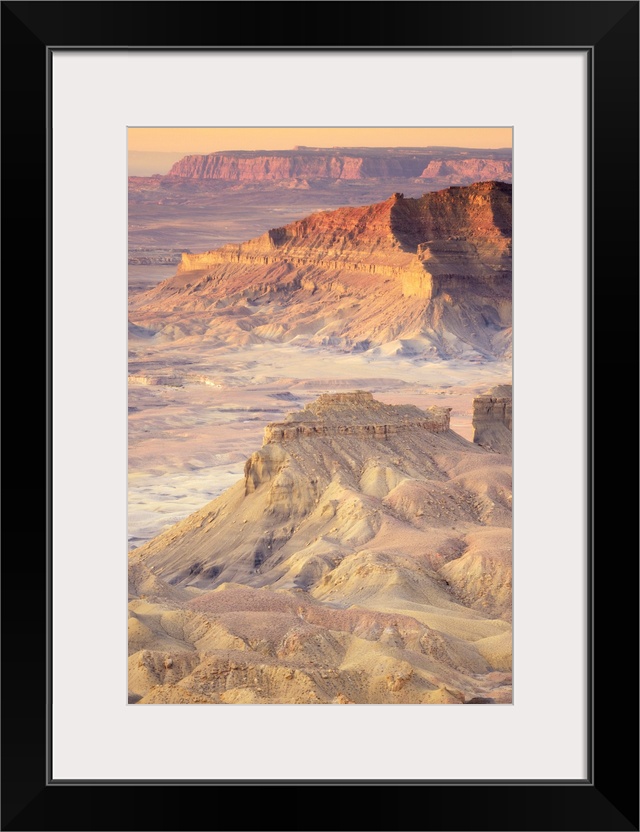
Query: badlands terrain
[
  {"x": 265, "y": 290},
  {"x": 364, "y": 557}
]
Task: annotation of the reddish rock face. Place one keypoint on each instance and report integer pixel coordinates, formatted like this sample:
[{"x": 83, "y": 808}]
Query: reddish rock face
[
  {"x": 271, "y": 167},
  {"x": 432, "y": 273},
  {"x": 475, "y": 169},
  {"x": 451, "y": 222},
  {"x": 340, "y": 163}
]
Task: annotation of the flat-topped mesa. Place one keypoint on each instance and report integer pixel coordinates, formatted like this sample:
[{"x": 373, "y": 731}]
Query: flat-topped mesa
[
  {"x": 429, "y": 243},
  {"x": 492, "y": 409},
  {"x": 359, "y": 398},
  {"x": 492, "y": 419},
  {"x": 476, "y": 169},
  {"x": 333, "y": 164},
  {"x": 355, "y": 414},
  {"x": 420, "y": 275},
  {"x": 351, "y": 236}
]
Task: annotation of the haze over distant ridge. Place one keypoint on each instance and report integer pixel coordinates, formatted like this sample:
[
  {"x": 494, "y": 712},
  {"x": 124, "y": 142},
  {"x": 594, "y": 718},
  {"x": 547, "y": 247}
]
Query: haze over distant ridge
[{"x": 149, "y": 163}]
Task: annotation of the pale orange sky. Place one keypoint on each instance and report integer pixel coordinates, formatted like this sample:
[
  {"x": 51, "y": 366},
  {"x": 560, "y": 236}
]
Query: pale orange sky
[{"x": 211, "y": 139}]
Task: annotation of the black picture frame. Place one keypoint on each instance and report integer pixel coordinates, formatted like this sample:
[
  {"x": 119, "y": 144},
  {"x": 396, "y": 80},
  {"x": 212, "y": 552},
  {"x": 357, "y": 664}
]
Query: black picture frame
[{"x": 608, "y": 798}]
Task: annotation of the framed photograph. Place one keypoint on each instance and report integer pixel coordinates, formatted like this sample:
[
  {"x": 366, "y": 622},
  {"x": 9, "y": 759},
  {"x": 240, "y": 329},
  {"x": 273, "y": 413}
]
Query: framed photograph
[{"x": 561, "y": 80}]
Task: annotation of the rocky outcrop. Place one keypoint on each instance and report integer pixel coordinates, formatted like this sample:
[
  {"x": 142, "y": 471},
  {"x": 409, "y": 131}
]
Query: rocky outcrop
[
  {"x": 340, "y": 448},
  {"x": 271, "y": 167},
  {"x": 492, "y": 420},
  {"x": 345, "y": 164},
  {"x": 460, "y": 226},
  {"x": 356, "y": 414},
  {"x": 427, "y": 268},
  {"x": 348, "y": 565}
]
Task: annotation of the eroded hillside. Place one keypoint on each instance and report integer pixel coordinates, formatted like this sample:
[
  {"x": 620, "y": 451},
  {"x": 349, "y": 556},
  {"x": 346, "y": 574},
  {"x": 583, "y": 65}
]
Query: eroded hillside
[{"x": 365, "y": 556}]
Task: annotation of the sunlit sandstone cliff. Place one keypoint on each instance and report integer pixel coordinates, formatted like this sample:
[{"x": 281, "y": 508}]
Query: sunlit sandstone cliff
[
  {"x": 434, "y": 272},
  {"x": 346, "y": 164}
]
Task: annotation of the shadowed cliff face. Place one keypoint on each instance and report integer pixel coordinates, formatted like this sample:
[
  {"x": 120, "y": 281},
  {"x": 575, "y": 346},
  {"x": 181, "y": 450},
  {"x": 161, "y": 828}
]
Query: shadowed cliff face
[
  {"x": 348, "y": 565},
  {"x": 479, "y": 215},
  {"x": 435, "y": 270},
  {"x": 473, "y": 169}
]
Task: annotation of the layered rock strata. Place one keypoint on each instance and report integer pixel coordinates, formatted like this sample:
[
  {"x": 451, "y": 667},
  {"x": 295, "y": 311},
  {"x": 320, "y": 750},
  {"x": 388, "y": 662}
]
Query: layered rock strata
[
  {"x": 492, "y": 419},
  {"x": 345, "y": 567},
  {"x": 436, "y": 269},
  {"x": 345, "y": 164},
  {"x": 340, "y": 413}
]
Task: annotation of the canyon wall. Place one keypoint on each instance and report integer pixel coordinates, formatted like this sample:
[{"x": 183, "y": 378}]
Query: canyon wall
[
  {"x": 436, "y": 269},
  {"x": 474, "y": 169},
  {"x": 437, "y": 421},
  {"x": 435, "y": 242},
  {"x": 492, "y": 419},
  {"x": 346, "y": 164}
]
